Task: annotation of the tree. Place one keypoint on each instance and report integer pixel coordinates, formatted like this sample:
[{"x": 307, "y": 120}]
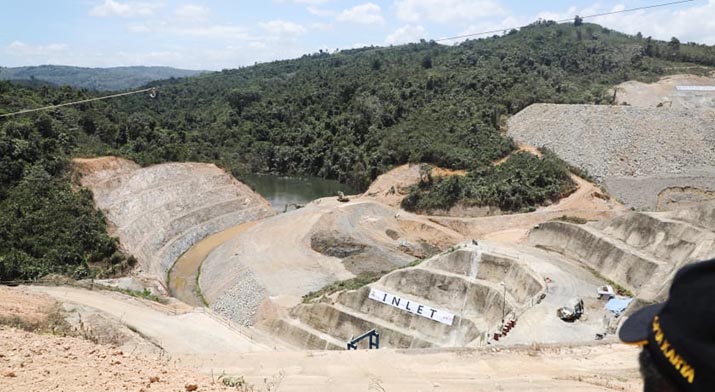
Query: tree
[
  {"x": 240, "y": 99},
  {"x": 674, "y": 45}
]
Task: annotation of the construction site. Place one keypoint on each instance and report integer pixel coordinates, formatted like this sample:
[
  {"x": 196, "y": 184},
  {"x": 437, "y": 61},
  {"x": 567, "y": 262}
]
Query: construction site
[{"x": 355, "y": 291}]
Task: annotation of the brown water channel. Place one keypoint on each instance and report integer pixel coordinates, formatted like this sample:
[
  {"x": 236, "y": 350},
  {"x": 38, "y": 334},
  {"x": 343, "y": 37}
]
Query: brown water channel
[{"x": 183, "y": 276}]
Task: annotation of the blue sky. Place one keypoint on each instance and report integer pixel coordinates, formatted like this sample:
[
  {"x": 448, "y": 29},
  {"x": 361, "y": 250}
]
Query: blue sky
[{"x": 221, "y": 34}]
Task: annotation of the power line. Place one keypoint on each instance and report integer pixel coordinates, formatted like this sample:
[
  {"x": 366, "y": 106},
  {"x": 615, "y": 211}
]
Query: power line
[
  {"x": 567, "y": 20},
  {"x": 151, "y": 90}
]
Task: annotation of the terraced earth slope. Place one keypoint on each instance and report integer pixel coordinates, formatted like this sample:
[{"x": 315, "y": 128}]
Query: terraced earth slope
[
  {"x": 640, "y": 251},
  {"x": 160, "y": 211},
  {"x": 640, "y": 154},
  {"x": 479, "y": 285}
]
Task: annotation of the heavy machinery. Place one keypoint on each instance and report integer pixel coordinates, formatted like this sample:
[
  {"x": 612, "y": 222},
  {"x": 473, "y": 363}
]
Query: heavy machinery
[{"x": 572, "y": 311}]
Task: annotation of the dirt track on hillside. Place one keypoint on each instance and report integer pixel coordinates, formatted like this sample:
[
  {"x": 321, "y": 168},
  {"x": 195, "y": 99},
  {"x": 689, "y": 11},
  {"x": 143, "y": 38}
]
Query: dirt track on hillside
[{"x": 175, "y": 329}]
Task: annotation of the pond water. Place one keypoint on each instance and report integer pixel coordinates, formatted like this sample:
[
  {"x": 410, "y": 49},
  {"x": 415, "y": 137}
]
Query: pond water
[{"x": 281, "y": 191}]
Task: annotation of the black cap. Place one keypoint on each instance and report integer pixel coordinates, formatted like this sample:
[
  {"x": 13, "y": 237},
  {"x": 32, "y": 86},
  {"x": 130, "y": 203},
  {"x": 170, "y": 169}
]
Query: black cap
[{"x": 680, "y": 333}]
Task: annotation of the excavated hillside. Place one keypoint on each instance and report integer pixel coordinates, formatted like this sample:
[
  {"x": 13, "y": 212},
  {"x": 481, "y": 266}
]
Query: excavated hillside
[
  {"x": 289, "y": 255},
  {"x": 160, "y": 211},
  {"x": 641, "y": 251},
  {"x": 645, "y": 157},
  {"x": 456, "y": 299},
  {"x": 665, "y": 93}
]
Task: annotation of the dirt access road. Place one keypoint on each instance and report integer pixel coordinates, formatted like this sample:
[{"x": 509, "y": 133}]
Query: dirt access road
[
  {"x": 176, "y": 330},
  {"x": 537, "y": 368},
  {"x": 588, "y": 202}
]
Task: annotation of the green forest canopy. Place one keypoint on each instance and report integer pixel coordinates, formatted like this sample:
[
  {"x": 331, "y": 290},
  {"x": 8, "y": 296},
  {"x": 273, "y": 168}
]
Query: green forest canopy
[{"x": 349, "y": 115}]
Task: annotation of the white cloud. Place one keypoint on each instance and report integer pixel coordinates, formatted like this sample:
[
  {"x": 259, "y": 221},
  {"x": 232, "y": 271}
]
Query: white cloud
[
  {"x": 213, "y": 31},
  {"x": 282, "y": 27},
  {"x": 321, "y": 26},
  {"x": 323, "y": 13},
  {"x": 21, "y": 53},
  {"x": 447, "y": 11},
  {"x": 129, "y": 9},
  {"x": 368, "y": 13},
  {"x": 308, "y": 2},
  {"x": 405, "y": 34},
  {"x": 21, "y": 48},
  {"x": 695, "y": 23},
  {"x": 192, "y": 12}
]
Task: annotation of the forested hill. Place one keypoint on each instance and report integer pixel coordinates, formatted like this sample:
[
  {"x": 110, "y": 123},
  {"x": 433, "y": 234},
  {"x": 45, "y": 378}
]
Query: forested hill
[
  {"x": 349, "y": 115},
  {"x": 353, "y": 114},
  {"x": 101, "y": 79}
]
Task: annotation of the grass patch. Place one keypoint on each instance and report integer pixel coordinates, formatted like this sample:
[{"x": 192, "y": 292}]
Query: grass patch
[
  {"x": 53, "y": 323},
  {"x": 355, "y": 283},
  {"x": 197, "y": 289},
  {"x": 620, "y": 290},
  {"x": 571, "y": 219},
  {"x": 349, "y": 284},
  {"x": 144, "y": 294}
]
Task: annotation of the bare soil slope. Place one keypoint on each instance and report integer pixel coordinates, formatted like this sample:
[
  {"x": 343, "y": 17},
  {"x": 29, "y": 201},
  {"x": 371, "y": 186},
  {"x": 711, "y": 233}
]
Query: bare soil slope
[
  {"x": 664, "y": 93},
  {"x": 390, "y": 188},
  {"x": 30, "y": 362}
]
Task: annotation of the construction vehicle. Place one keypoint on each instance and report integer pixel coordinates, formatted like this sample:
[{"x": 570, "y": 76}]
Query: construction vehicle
[{"x": 572, "y": 311}]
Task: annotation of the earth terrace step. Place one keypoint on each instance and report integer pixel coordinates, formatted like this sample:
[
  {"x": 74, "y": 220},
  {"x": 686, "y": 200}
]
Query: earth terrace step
[
  {"x": 611, "y": 257},
  {"x": 155, "y": 174},
  {"x": 511, "y": 301},
  {"x": 656, "y": 235},
  {"x": 181, "y": 224},
  {"x": 389, "y": 325},
  {"x": 344, "y": 323},
  {"x": 705, "y": 248},
  {"x": 159, "y": 211},
  {"x": 479, "y": 318},
  {"x": 298, "y": 334},
  {"x": 180, "y": 185}
]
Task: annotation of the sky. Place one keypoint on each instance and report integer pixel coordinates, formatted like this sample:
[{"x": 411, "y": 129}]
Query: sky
[{"x": 219, "y": 34}]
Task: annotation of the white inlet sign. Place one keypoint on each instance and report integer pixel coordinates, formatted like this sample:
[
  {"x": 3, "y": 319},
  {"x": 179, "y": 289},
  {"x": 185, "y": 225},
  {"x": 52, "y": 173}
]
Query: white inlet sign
[{"x": 411, "y": 306}]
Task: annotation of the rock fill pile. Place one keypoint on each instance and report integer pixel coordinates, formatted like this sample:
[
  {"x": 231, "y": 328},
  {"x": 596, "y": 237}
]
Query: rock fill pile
[{"x": 616, "y": 142}]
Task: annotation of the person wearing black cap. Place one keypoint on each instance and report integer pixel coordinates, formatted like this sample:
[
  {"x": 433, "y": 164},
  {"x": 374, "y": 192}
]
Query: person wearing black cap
[{"x": 678, "y": 336}]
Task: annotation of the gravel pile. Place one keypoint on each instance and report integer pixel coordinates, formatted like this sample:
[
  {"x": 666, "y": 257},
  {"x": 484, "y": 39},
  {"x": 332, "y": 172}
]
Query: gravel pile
[
  {"x": 620, "y": 140},
  {"x": 240, "y": 303}
]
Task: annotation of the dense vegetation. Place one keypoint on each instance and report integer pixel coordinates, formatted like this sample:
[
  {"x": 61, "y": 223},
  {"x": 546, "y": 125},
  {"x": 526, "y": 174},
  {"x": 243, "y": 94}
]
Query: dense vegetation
[
  {"x": 100, "y": 79},
  {"x": 349, "y": 115},
  {"x": 47, "y": 224},
  {"x": 353, "y": 114},
  {"x": 521, "y": 182}
]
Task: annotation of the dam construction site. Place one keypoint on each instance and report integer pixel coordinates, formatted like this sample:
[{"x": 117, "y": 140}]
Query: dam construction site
[{"x": 357, "y": 292}]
